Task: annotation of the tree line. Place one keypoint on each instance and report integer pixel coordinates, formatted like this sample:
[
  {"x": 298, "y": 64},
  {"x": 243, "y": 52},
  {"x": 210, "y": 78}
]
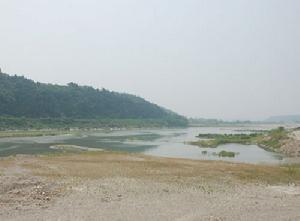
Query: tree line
[{"x": 21, "y": 97}]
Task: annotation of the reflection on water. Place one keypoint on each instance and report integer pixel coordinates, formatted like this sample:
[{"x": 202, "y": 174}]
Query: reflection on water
[{"x": 156, "y": 142}]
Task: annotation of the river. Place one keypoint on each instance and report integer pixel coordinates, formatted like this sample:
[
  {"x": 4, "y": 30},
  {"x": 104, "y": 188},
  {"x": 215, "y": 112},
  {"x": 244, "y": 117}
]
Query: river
[{"x": 155, "y": 142}]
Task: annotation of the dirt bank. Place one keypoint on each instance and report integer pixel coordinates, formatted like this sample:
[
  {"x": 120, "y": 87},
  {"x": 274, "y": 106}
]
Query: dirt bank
[
  {"x": 291, "y": 147},
  {"x": 115, "y": 186}
]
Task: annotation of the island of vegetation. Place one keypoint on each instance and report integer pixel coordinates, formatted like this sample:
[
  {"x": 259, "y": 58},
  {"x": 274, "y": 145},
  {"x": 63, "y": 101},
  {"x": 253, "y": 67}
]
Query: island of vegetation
[
  {"x": 25, "y": 104},
  {"x": 224, "y": 153},
  {"x": 271, "y": 140}
]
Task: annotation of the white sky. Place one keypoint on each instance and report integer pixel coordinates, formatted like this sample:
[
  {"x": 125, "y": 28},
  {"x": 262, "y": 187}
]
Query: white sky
[{"x": 232, "y": 59}]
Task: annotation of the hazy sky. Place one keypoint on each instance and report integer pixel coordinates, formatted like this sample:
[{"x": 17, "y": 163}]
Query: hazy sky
[{"x": 232, "y": 59}]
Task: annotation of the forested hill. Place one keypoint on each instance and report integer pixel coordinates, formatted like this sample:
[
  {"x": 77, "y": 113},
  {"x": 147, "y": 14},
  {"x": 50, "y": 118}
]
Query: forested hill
[{"x": 21, "y": 97}]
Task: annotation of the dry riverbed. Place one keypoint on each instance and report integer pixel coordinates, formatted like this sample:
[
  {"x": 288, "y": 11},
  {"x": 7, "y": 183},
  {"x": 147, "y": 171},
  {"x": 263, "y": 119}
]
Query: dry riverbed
[{"x": 121, "y": 186}]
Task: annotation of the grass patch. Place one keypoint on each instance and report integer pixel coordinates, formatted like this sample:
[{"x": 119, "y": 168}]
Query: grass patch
[
  {"x": 271, "y": 140},
  {"x": 224, "y": 153},
  {"x": 95, "y": 165},
  {"x": 214, "y": 140},
  {"x": 272, "y": 175}
]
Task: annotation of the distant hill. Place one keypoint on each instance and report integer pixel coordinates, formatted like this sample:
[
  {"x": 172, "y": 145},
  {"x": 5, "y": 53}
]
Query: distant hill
[
  {"x": 24, "y": 98},
  {"x": 284, "y": 119},
  {"x": 215, "y": 122}
]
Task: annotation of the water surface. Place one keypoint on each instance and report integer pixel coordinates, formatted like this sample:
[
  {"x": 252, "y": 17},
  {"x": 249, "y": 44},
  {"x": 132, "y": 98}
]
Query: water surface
[{"x": 156, "y": 142}]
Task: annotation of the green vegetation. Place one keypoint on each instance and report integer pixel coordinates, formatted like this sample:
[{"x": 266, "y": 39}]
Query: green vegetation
[
  {"x": 25, "y": 104},
  {"x": 214, "y": 140},
  {"x": 202, "y": 122},
  {"x": 15, "y": 123},
  {"x": 272, "y": 139},
  {"x": 224, "y": 153},
  {"x": 204, "y": 143}
]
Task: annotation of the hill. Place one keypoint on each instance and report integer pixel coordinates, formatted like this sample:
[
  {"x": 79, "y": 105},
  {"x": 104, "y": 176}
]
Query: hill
[
  {"x": 21, "y": 98},
  {"x": 284, "y": 119},
  {"x": 204, "y": 122}
]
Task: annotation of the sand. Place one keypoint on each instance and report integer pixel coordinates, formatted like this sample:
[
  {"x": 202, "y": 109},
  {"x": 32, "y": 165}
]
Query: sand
[
  {"x": 291, "y": 147},
  {"x": 119, "y": 186}
]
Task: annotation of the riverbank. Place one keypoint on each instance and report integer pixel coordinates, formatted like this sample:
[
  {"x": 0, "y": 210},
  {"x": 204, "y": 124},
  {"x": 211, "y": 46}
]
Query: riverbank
[
  {"x": 122, "y": 186},
  {"x": 278, "y": 140}
]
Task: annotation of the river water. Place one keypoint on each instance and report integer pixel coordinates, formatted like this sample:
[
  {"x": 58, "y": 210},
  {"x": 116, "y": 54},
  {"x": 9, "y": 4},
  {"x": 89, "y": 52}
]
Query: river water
[{"x": 155, "y": 142}]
